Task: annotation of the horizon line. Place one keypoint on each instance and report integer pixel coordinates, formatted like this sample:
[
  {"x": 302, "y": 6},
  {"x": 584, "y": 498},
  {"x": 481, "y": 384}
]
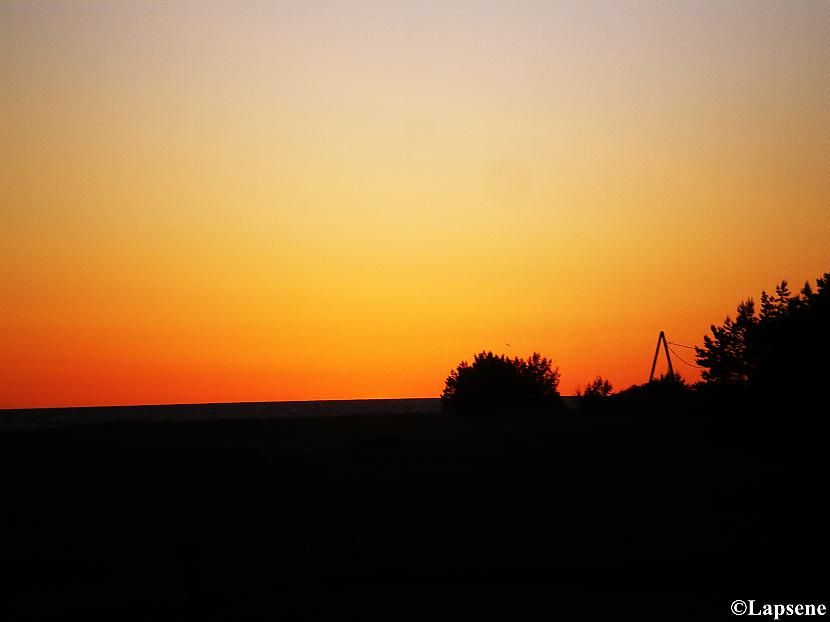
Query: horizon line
[{"x": 240, "y": 403}]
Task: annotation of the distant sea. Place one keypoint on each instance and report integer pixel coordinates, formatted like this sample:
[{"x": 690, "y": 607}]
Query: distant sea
[{"x": 37, "y": 418}]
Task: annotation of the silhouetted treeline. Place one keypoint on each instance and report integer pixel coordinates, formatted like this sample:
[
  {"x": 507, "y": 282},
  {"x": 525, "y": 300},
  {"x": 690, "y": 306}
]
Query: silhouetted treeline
[
  {"x": 774, "y": 356},
  {"x": 777, "y": 354},
  {"x": 780, "y": 351},
  {"x": 496, "y": 382}
]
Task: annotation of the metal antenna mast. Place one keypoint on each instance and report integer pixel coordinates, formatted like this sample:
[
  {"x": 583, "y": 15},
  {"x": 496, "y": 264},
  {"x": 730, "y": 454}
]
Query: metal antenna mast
[{"x": 661, "y": 339}]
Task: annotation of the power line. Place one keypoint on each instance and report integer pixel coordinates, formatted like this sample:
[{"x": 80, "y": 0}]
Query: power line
[
  {"x": 681, "y": 360},
  {"x": 682, "y": 345}
]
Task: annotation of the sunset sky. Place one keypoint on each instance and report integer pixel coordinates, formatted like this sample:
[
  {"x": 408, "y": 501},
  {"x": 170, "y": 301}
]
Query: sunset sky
[{"x": 227, "y": 201}]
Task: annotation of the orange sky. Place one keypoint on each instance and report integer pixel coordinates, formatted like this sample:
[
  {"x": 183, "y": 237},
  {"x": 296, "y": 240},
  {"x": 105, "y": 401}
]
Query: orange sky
[{"x": 291, "y": 200}]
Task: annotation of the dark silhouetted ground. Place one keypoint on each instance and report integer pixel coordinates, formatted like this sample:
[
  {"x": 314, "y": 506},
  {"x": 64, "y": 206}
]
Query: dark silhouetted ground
[{"x": 232, "y": 508}]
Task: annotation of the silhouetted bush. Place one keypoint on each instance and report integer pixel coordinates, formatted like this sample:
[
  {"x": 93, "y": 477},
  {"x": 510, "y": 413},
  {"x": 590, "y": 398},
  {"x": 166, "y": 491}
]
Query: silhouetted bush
[
  {"x": 496, "y": 382},
  {"x": 598, "y": 387},
  {"x": 669, "y": 393},
  {"x": 595, "y": 393}
]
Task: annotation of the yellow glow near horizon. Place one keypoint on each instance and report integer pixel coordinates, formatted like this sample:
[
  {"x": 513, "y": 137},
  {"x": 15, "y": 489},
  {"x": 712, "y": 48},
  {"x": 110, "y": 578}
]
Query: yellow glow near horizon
[{"x": 214, "y": 202}]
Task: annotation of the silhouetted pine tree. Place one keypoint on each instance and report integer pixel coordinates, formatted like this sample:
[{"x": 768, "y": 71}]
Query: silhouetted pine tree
[
  {"x": 725, "y": 356},
  {"x": 781, "y": 350}
]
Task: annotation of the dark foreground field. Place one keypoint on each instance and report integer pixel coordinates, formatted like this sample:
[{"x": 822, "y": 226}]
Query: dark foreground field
[{"x": 139, "y": 515}]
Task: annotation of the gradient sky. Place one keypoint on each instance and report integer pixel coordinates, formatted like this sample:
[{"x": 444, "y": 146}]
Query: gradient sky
[{"x": 309, "y": 200}]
